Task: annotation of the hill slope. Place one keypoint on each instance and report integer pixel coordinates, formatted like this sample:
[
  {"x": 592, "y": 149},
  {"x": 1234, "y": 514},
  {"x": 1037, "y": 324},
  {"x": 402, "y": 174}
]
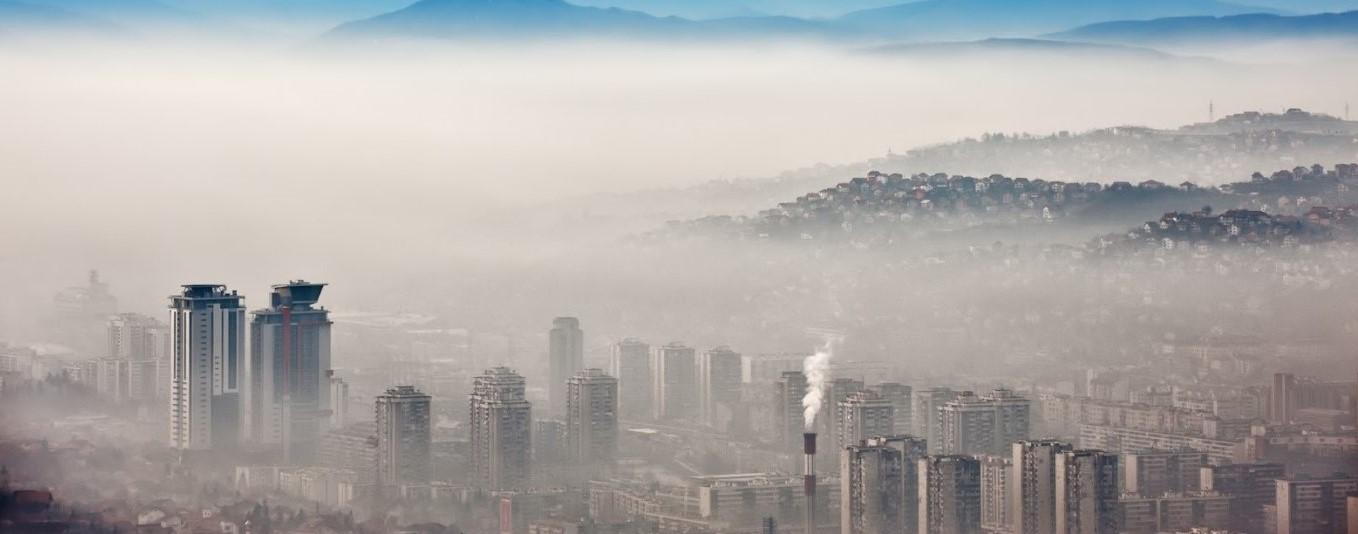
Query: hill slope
[{"x": 1253, "y": 27}]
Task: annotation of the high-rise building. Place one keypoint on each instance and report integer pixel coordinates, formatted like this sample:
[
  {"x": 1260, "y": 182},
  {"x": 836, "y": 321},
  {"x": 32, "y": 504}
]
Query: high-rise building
[
  {"x": 1154, "y": 473},
  {"x": 718, "y": 386},
  {"x": 287, "y": 395},
  {"x": 949, "y": 495},
  {"x": 912, "y": 449},
  {"x": 82, "y": 313},
  {"x": 835, "y": 392},
  {"x": 207, "y": 367},
  {"x": 1251, "y": 486},
  {"x": 592, "y": 418},
  {"x": 765, "y": 368},
  {"x": 339, "y": 401},
  {"x": 501, "y": 430},
  {"x": 133, "y": 336},
  {"x": 1313, "y": 506},
  {"x": 995, "y": 508},
  {"x": 1033, "y": 485},
  {"x": 565, "y": 357},
  {"x": 403, "y": 437},
  {"x": 863, "y": 414},
  {"x": 787, "y": 409},
  {"x": 900, "y": 396},
  {"x": 872, "y": 489},
  {"x": 113, "y": 379},
  {"x": 1174, "y": 512},
  {"x": 925, "y": 414},
  {"x": 983, "y": 425},
  {"x": 673, "y": 382},
  {"x": 630, "y": 363},
  {"x": 1086, "y": 492},
  {"x": 1282, "y": 406}
]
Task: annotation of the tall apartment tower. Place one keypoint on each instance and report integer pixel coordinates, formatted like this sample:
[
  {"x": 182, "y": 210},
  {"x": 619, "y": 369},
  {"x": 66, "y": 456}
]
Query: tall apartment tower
[
  {"x": 1032, "y": 485},
  {"x": 501, "y": 430},
  {"x": 1315, "y": 505},
  {"x": 565, "y": 357},
  {"x": 135, "y": 337},
  {"x": 287, "y": 395},
  {"x": 673, "y": 374},
  {"x": 718, "y": 386},
  {"x": 787, "y": 409},
  {"x": 403, "y": 437},
  {"x": 872, "y": 489},
  {"x": 207, "y": 367},
  {"x": 925, "y": 416},
  {"x": 592, "y": 418},
  {"x": 949, "y": 495},
  {"x": 899, "y": 395},
  {"x": 913, "y": 450},
  {"x": 339, "y": 402},
  {"x": 995, "y": 508},
  {"x": 1251, "y": 487},
  {"x": 630, "y": 363},
  {"x": 1282, "y": 405},
  {"x": 838, "y": 390},
  {"x": 1086, "y": 492},
  {"x": 983, "y": 425},
  {"x": 142, "y": 343},
  {"x": 862, "y": 415},
  {"x": 1154, "y": 473}
]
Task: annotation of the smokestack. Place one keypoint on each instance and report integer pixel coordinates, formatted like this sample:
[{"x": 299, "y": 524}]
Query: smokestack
[{"x": 809, "y": 480}]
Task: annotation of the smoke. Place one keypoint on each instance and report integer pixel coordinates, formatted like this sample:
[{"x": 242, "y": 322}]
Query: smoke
[{"x": 816, "y": 367}]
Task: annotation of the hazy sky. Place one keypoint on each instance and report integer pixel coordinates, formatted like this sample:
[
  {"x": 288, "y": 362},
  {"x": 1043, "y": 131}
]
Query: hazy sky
[{"x": 199, "y": 163}]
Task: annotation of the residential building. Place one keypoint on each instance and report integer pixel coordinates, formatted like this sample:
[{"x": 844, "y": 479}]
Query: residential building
[
  {"x": 286, "y": 400},
  {"x": 718, "y": 386},
  {"x": 872, "y": 489},
  {"x": 925, "y": 414},
  {"x": 592, "y": 419},
  {"x": 1086, "y": 492},
  {"x": 1174, "y": 512},
  {"x": 565, "y": 357},
  {"x": 861, "y": 415},
  {"x": 983, "y": 425},
  {"x": 949, "y": 495},
  {"x": 900, "y": 396},
  {"x": 207, "y": 371},
  {"x": 1155, "y": 473},
  {"x": 403, "y": 437},
  {"x": 1313, "y": 505},
  {"x": 996, "y": 472},
  {"x": 1033, "y": 485},
  {"x": 673, "y": 382},
  {"x": 501, "y": 430},
  {"x": 1251, "y": 487},
  {"x": 787, "y": 409},
  {"x": 630, "y": 363}
]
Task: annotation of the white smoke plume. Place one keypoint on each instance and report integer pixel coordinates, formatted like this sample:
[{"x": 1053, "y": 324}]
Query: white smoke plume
[{"x": 816, "y": 367}]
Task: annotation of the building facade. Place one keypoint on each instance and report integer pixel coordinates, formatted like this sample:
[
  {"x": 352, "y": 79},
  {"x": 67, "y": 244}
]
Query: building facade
[
  {"x": 286, "y": 400},
  {"x": 592, "y": 418},
  {"x": 403, "y": 437},
  {"x": 207, "y": 367},
  {"x": 565, "y": 357},
  {"x": 630, "y": 363},
  {"x": 501, "y": 430},
  {"x": 673, "y": 382},
  {"x": 1086, "y": 492},
  {"x": 718, "y": 386}
]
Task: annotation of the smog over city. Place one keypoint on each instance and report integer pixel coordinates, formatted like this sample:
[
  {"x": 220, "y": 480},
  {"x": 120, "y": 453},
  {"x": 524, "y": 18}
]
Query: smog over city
[{"x": 679, "y": 266}]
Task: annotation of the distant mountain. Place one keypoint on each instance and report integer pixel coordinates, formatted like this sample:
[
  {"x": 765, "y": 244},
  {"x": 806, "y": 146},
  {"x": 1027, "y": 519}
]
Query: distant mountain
[
  {"x": 493, "y": 18},
  {"x": 1254, "y": 27},
  {"x": 1034, "y": 48},
  {"x": 708, "y": 9},
  {"x": 548, "y": 19},
  {"x": 974, "y": 19}
]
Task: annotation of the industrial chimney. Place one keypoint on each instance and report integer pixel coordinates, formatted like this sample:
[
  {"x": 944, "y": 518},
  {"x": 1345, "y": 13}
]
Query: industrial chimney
[{"x": 809, "y": 480}]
